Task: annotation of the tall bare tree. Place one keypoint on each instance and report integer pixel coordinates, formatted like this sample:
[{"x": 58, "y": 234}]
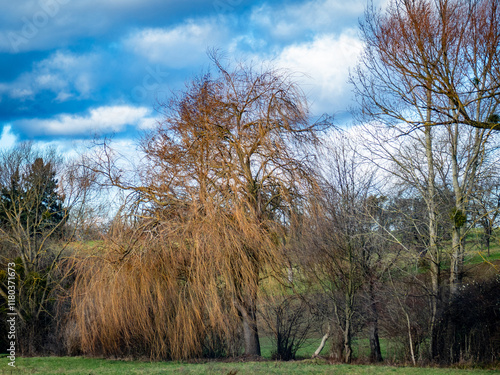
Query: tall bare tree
[
  {"x": 221, "y": 175},
  {"x": 429, "y": 63}
]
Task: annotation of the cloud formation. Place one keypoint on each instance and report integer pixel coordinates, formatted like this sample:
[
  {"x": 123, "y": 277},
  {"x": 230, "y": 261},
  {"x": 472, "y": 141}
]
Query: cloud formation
[
  {"x": 176, "y": 47},
  {"x": 325, "y": 63},
  {"x": 99, "y": 120},
  {"x": 64, "y": 74},
  {"x": 70, "y": 67},
  {"x": 306, "y": 19},
  {"x": 7, "y": 139}
]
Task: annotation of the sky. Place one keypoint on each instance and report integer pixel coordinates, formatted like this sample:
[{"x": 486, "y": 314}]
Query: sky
[{"x": 73, "y": 69}]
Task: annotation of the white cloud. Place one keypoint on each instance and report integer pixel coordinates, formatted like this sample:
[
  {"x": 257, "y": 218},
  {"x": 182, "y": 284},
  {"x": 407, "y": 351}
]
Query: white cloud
[
  {"x": 178, "y": 47},
  {"x": 7, "y": 139},
  {"x": 99, "y": 120},
  {"x": 67, "y": 72},
  {"x": 148, "y": 123},
  {"x": 325, "y": 61},
  {"x": 63, "y": 96},
  {"x": 67, "y": 75},
  {"x": 295, "y": 20},
  {"x": 21, "y": 93}
]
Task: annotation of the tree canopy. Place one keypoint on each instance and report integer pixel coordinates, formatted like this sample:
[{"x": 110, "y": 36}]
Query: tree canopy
[{"x": 441, "y": 56}]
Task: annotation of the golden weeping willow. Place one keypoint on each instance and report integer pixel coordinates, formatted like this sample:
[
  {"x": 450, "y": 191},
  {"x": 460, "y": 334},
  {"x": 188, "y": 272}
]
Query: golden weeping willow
[
  {"x": 222, "y": 176},
  {"x": 178, "y": 286}
]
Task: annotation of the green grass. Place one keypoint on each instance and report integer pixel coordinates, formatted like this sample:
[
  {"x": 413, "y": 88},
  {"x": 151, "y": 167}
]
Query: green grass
[
  {"x": 476, "y": 248},
  {"x": 92, "y": 366},
  {"x": 477, "y": 257},
  {"x": 475, "y": 254},
  {"x": 306, "y": 351}
]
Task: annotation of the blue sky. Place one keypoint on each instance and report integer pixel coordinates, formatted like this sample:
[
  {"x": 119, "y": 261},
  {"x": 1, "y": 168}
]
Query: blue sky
[{"x": 70, "y": 69}]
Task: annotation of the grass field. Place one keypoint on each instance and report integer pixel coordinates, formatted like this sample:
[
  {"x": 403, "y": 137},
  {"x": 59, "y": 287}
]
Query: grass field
[{"x": 91, "y": 366}]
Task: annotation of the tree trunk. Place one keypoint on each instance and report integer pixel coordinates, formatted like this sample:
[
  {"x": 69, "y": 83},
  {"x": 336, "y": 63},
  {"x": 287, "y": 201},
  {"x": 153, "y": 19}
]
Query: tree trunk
[
  {"x": 347, "y": 340},
  {"x": 457, "y": 248},
  {"x": 434, "y": 252},
  {"x": 349, "y": 308},
  {"x": 410, "y": 340},
  {"x": 487, "y": 236},
  {"x": 456, "y": 266},
  {"x": 248, "y": 313},
  {"x": 435, "y": 298},
  {"x": 349, "y": 299},
  {"x": 323, "y": 342},
  {"x": 375, "y": 352}
]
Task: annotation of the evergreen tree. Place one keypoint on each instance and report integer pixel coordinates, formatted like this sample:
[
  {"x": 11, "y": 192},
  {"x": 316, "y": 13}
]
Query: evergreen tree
[{"x": 31, "y": 199}]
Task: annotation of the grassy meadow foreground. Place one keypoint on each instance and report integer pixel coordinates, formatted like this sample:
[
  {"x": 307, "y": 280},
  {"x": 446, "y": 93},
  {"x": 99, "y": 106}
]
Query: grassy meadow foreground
[{"x": 90, "y": 366}]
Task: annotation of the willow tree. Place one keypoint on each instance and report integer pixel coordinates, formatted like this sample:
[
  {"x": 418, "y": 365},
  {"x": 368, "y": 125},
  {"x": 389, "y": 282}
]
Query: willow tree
[{"x": 221, "y": 176}]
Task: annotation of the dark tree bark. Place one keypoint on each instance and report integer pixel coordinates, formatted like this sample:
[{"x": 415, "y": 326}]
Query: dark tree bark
[{"x": 375, "y": 352}]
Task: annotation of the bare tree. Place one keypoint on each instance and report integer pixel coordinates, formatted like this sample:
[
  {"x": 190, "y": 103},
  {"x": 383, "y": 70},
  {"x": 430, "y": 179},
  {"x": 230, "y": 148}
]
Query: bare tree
[
  {"x": 416, "y": 165},
  {"x": 437, "y": 57},
  {"x": 468, "y": 150},
  {"x": 338, "y": 244},
  {"x": 429, "y": 63},
  {"x": 289, "y": 322},
  {"x": 222, "y": 174}
]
